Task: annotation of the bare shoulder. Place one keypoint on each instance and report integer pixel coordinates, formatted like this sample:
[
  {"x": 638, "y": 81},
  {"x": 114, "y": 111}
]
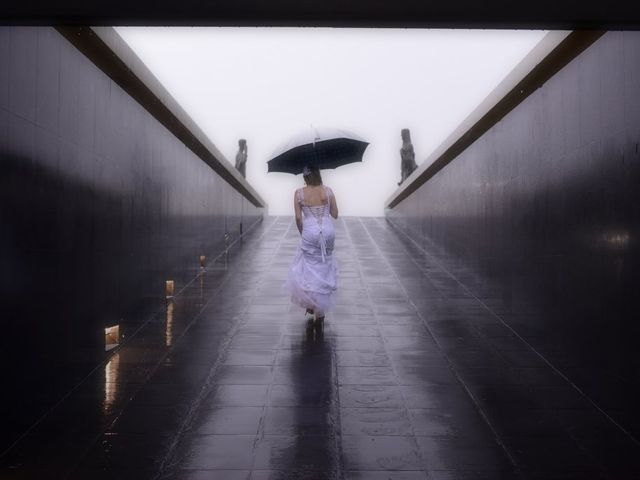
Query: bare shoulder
[{"x": 331, "y": 194}]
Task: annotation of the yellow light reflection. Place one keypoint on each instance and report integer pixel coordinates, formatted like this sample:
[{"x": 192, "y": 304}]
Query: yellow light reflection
[
  {"x": 111, "y": 337},
  {"x": 111, "y": 372},
  {"x": 169, "y": 288},
  {"x": 617, "y": 239},
  {"x": 168, "y": 334}
]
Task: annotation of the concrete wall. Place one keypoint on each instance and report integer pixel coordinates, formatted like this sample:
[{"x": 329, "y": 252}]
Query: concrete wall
[
  {"x": 99, "y": 205},
  {"x": 541, "y": 217}
]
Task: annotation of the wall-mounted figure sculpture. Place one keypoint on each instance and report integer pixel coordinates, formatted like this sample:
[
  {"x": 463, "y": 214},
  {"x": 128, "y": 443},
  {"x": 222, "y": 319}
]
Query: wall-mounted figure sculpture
[
  {"x": 241, "y": 156},
  {"x": 407, "y": 156}
]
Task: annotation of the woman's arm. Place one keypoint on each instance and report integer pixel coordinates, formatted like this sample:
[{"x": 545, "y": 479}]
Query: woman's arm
[
  {"x": 298, "y": 211},
  {"x": 333, "y": 206}
]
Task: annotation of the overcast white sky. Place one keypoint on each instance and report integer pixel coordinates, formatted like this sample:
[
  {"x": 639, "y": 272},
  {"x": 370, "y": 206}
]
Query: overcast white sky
[{"x": 266, "y": 84}]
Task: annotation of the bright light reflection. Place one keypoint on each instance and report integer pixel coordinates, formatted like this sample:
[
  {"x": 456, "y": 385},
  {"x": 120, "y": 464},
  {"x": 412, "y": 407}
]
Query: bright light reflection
[
  {"x": 111, "y": 337},
  {"x": 168, "y": 334},
  {"x": 617, "y": 239},
  {"x": 111, "y": 372}
]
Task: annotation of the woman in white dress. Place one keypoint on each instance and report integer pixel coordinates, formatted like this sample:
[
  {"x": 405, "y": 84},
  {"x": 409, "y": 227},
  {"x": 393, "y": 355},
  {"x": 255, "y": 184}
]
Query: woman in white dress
[{"x": 313, "y": 274}]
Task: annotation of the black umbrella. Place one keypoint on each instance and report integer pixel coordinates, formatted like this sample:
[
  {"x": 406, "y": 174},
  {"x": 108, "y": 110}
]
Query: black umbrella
[{"x": 321, "y": 147}]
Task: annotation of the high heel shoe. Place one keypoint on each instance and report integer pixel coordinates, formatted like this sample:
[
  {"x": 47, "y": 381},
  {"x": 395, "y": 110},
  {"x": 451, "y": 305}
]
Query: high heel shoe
[{"x": 309, "y": 318}]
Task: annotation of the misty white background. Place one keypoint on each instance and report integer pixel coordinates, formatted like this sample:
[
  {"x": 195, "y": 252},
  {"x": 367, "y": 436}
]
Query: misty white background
[{"x": 266, "y": 84}]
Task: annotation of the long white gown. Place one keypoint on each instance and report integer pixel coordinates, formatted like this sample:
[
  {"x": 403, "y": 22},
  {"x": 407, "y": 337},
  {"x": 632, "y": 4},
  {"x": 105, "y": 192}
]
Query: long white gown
[{"x": 312, "y": 278}]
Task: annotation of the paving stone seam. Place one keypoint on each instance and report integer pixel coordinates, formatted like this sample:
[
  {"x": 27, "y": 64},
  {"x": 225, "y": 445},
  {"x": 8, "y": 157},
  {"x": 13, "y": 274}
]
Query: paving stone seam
[
  {"x": 261, "y": 425},
  {"x": 169, "y": 461},
  {"x": 335, "y": 410},
  {"x": 145, "y": 380},
  {"x": 337, "y": 386},
  {"x": 569, "y": 434},
  {"x": 225, "y": 251},
  {"x": 510, "y": 457},
  {"x": 383, "y": 337},
  {"x": 334, "y": 406},
  {"x": 505, "y": 324},
  {"x": 150, "y": 319}
]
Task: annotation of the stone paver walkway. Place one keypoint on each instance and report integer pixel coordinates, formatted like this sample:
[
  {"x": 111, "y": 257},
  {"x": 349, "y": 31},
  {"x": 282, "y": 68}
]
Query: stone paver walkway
[{"x": 414, "y": 378}]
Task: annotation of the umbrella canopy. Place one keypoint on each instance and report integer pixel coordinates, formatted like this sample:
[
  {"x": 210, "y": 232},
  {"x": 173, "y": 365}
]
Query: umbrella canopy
[{"x": 321, "y": 147}]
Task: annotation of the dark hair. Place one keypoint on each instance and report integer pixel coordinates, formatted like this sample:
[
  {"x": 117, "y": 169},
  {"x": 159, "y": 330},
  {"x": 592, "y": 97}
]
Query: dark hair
[{"x": 314, "y": 177}]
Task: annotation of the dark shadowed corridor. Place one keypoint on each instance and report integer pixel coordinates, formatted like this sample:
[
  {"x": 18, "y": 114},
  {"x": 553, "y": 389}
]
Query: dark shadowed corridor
[
  {"x": 486, "y": 325},
  {"x": 413, "y": 378}
]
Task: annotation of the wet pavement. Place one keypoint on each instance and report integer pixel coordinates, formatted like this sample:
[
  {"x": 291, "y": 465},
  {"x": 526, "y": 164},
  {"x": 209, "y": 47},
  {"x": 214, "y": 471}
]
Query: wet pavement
[{"x": 413, "y": 378}]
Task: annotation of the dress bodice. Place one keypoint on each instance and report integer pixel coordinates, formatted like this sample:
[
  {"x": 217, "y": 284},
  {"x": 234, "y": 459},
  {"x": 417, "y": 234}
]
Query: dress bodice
[
  {"x": 317, "y": 211},
  {"x": 322, "y": 220}
]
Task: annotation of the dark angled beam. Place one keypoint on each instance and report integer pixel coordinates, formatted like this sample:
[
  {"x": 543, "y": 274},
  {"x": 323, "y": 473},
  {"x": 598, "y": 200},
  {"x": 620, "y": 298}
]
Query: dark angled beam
[
  {"x": 121, "y": 64},
  {"x": 568, "y": 49},
  {"x": 537, "y": 14}
]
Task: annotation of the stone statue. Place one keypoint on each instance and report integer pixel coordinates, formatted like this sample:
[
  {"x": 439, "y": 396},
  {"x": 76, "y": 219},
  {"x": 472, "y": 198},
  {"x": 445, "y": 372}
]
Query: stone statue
[
  {"x": 241, "y": 157},
  {"x": 407, "y": 156}
]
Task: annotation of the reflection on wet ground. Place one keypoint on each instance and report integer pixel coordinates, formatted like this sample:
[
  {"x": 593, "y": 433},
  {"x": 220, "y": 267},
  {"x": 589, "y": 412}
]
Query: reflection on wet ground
[{"x": 411, "y": 379}]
